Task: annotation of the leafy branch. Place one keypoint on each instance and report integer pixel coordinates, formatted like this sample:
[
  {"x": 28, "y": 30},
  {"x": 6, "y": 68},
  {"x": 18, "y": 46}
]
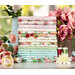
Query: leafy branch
[{"x": 11, "y": 12}]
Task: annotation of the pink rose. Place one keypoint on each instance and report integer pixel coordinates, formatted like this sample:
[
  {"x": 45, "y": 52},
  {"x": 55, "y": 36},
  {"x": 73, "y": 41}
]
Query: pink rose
[
  {"x": 29, "y": 43},
  {"x": 41, "y": 35},
  {"x": 66, "y": 10},
  {"x": 64, "y": 31},
  {"x": 71, "y": 18},
  {"x": 63, "y": 16},
  {"x": 6, "y": 53},
  {"x": 47, "y": 60},
  {"x": 1, "y": 41},
  {"x": 53, "y": 13},
  {"x": 15, "y": 49},
  {"x": 12, "y": 38},
  {"x": 46, "y": 23},
  {"x": 71, "y": 24},
  {"x": 59, "y": 11},
  {"x": 23, "y": 43},
  {"x": 73, "y": 14},
  {"x": 2, "y": 49}
]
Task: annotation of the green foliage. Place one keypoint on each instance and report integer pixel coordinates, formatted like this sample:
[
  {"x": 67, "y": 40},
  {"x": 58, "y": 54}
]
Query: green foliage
[
  {"x": 20, "y": 42},
  {"x": 10, "y": 48},
  {"x": 10, "y": 11},
  {"x": 57, "y": 28},
  {"x": 36, "y": 35},
  {"x": 59, "y": 22},
  {"x": 4, "y": 38}
]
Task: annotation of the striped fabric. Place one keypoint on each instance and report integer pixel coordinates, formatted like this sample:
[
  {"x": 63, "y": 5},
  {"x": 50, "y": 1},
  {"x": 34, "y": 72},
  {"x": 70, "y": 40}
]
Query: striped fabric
[{"x": 36, "y": 39}]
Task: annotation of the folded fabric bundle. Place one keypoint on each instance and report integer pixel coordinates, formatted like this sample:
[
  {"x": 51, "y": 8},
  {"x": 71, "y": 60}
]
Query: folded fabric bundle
[
  {"x": 38, "y": 30},
  {"x": 37, "y": 40},
  {"x": 36, "y": 18},
  {"x": 28, "y": 50},
  {"x": 37, "y": 27},
  {"x": 38, "y": 43},
  {"x": 35, "y": 48},
  {"x": 37, "y": 37},
  {"x": 28, "y": 54},
  {"x": 36, "y": 23}
]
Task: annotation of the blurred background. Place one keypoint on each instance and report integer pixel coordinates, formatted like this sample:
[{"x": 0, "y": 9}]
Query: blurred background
[{"x": 27, "y": 10}]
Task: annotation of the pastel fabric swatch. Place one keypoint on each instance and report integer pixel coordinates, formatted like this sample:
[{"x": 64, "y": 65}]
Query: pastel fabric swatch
[{"x": 37, "y": 39}]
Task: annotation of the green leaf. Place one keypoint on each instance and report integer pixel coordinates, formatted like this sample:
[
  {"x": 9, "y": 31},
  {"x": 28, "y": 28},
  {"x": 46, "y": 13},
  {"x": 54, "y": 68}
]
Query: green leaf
[
  {"x": 57, "y": 28},
  {"x": 49, "y": 32},
  {"x": 36, "y": 35},
  {"x": 4, "y": 38},
  {"x": 23, "y": 34},
  {"x": 10, "y": 48},
  {"x": 59, "y": 22},
  {"x": 20, "y": 42},
  {"x": 18, "y": 13},
  {"x": 9, "y": 10}
]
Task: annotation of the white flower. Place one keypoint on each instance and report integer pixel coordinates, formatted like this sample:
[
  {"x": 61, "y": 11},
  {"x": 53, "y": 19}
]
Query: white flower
[{"x": 63, "y": 59}]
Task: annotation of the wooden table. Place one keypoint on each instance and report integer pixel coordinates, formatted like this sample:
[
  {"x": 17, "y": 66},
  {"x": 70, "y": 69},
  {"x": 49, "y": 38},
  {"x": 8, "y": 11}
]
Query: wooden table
[{"x": 41, "y": 66}]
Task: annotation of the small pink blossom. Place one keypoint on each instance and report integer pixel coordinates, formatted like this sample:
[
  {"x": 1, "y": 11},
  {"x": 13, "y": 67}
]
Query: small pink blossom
[
  {"x": 47, "y": 60},
  {"x": 23, "y": 43},
  {"x": 29, "y": 43},
  {"x": 46, "y": 23},
  {"x": 66, "y": 10}
]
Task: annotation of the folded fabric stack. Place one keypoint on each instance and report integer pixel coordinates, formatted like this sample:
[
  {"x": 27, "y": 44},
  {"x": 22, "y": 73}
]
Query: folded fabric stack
[{"x": 37, "y": 37}]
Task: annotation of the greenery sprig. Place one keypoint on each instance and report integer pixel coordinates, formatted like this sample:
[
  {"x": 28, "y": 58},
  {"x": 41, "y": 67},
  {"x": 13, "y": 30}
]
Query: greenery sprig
[{"x": 11, "y": 12}]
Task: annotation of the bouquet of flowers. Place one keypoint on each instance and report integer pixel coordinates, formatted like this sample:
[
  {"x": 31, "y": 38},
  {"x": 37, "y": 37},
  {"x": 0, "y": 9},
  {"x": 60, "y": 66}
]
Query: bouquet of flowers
[
  {"x": 6, "y": 48},
  {"x": 65, "y": 21}
]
